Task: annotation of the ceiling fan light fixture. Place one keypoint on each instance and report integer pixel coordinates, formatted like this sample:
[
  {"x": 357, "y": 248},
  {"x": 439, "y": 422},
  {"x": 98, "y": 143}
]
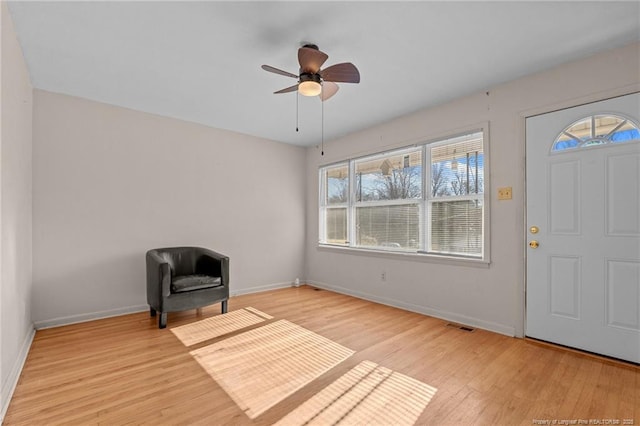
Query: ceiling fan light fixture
[
  {"x": 313, "y": 80},
  {"x": 309, "y": 88}
]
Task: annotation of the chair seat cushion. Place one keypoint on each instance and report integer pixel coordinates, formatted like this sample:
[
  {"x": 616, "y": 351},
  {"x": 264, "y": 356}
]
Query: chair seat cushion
[{"x": 183, "y": 283}]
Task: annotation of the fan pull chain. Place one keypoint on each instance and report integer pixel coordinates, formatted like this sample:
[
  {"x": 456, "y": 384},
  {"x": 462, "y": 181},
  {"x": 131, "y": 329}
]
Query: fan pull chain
[
  {"x": 297, "y": 96},
  {"x": 322, "y": 121}
]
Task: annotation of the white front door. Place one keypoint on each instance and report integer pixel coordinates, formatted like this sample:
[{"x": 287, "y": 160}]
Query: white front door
[{"x": 583, "y": 211}]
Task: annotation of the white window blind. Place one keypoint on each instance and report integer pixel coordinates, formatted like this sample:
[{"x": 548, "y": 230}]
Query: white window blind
[
  {"x": 388, "y": 226},
  {"x": 456, "y": 227}
]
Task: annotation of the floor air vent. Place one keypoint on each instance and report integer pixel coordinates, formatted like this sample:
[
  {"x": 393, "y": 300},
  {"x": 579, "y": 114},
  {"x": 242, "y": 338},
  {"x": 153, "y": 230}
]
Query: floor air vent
[{"x": 461, "y": 327}]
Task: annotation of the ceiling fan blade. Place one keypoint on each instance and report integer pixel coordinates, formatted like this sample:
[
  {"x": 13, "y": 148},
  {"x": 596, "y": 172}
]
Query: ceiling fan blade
[
  {"x": 278, "y": 71},
  {"x": 287, "y": 90},
  {"x": 328, "y": 90},
  {"x": 345, "y": 72},
  {"x": 311, "y": 59}
]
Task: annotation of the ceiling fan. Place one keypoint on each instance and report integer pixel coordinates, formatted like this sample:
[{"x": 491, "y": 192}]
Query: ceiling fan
[{"x": 313, "y": 80}]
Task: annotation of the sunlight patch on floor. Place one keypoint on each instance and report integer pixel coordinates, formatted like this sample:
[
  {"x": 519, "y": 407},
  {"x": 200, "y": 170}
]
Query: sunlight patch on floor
[
  {"x": 210, "y": 328},
  {"x": 263, "y": 366},
  {"x": 366, "y": 395}
]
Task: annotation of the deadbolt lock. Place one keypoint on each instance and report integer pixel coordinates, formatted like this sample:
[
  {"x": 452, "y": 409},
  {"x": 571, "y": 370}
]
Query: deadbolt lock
[
  {"x": 534, "y": 229},
  {"x": 533, "y": 244}
]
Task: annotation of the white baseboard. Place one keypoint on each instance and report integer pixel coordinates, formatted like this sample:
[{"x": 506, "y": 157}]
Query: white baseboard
[
  {"x": 447, "y": 316},
  {"x": 73, "y": 319},
  {"x": 260, "y": 289},
  {"x": 12, "y": 381}
]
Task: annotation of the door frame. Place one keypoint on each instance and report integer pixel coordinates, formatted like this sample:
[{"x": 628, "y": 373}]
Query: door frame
[{"x": 521, "y": 302}]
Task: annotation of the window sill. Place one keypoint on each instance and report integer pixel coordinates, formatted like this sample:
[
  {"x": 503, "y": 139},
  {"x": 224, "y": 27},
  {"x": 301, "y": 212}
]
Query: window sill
[{"x": 411, "y": 256}]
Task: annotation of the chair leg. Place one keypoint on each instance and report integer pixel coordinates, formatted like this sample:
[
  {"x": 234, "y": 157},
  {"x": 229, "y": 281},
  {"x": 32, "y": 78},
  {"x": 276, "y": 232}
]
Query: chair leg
[
  {"x": 162, "y": 320},
  {"x": 224, "y": 306},
  {"x": 152, "y": 312}
]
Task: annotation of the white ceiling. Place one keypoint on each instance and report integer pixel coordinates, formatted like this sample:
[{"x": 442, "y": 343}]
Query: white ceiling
[{"x": 200, "y": 61}]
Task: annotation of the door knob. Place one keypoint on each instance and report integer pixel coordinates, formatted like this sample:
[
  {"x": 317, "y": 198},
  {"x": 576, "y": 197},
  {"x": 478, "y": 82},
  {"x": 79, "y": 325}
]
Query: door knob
[{"x": 533, "y": 244}]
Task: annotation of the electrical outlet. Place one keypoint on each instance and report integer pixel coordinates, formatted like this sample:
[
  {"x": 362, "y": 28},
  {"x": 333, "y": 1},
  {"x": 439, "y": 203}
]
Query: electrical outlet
[
  {"x": 383, "y": 276},
  {"x": 504, "y": 193}
]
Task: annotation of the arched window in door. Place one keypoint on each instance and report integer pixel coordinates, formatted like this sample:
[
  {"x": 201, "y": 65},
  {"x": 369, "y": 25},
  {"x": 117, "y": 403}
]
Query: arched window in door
[{"x": 597, "y": 130}]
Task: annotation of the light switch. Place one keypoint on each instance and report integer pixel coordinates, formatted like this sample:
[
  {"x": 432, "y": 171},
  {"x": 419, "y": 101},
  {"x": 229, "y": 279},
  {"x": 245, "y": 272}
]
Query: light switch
[{"x": 504, "y": 193}]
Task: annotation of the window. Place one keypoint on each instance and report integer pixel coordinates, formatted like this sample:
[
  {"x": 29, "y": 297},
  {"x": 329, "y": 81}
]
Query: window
[
  {"x": 456, "y": 199},
  {"x": 334, "y": 202},
  {"x": 426, "y": 199},
  {"x": 597, "y": 130},
  {"x": 387, "y": 200}
]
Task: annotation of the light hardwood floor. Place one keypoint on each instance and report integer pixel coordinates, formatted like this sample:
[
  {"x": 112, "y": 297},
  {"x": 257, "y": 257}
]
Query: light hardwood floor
[{"x": 125, "y": 370}]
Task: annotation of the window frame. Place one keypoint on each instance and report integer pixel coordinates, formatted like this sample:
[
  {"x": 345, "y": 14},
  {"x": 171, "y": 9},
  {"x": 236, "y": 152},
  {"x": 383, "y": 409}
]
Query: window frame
[
  {"x": 424, "y": 203},
  {"x": 324, "y": 204}
]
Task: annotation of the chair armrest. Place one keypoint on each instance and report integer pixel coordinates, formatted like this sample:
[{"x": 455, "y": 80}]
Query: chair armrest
[
  {"x": 158, "y": 278},
  {"x": 214, "y": 264}
]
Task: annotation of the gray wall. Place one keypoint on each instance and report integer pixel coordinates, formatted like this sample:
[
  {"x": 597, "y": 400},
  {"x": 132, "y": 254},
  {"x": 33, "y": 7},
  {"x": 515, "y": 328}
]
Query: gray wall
[
  {"x": 16, "y": 329},
  {"x": 110, "y": 183},
  {"x": 489, "y": 297}
]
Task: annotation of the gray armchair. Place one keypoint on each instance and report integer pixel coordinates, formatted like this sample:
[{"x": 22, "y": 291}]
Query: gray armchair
[{"x": 182, "y": 278}]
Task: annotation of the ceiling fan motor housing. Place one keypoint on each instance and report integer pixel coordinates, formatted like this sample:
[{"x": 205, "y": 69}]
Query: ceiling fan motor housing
[{"x": 305, "y": 76}]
